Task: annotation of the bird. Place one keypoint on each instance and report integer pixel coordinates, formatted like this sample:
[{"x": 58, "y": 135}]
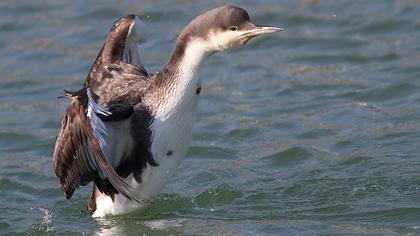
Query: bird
[{"x": 126, "y": 130}]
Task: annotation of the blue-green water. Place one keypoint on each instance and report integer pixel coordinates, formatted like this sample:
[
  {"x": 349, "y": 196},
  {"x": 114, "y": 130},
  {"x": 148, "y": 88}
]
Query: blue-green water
[{"x": 312, "y": 131}]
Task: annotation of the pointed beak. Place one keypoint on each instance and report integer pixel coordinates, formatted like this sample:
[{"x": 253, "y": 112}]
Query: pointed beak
[
  {"x": 259, "y": 30},
  {"x": 255, "y": 30}
]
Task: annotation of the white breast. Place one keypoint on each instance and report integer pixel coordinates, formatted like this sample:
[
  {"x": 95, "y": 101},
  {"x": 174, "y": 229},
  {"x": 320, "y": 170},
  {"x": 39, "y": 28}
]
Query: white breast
[
  {"x": 173, "y": 121},
  {"x": 172, "y": 130}
]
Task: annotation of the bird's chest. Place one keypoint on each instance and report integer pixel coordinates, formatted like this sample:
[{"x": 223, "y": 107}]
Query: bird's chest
[
  {"x": 171, "y": 136},
  {"x": 173, "y": 124}
]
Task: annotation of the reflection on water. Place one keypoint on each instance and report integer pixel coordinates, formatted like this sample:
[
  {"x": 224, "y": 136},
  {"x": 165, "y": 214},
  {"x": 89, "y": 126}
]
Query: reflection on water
[
  {"x": 125, "y": 227},
  {"x": 314, "y": 129}
]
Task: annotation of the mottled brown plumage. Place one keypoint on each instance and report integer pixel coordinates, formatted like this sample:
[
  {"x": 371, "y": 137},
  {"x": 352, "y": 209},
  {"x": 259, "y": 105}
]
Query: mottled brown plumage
[{"x": 118, "y": 86}]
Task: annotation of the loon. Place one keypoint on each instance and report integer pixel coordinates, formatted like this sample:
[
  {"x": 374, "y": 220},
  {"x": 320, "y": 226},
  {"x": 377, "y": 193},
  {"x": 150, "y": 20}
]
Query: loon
[{"x": 127, "y": 130}]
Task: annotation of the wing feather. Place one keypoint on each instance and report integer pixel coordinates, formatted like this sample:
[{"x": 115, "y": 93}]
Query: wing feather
[
  {"x": 78, "y": 153},
  {"x": 137, "y": 35}
]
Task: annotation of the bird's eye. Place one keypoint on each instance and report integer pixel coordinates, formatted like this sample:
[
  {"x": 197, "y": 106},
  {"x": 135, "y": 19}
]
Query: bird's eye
[{"x": 234, "y": 28}]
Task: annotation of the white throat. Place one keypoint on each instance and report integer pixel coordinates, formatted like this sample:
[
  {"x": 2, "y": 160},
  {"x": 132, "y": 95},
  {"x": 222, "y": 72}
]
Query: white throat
[{"x": 196, "y": 52}]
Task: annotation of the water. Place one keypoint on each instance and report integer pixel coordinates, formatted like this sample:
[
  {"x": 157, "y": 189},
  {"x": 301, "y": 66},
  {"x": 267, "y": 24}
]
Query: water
[{"x": 312, "y": 131}]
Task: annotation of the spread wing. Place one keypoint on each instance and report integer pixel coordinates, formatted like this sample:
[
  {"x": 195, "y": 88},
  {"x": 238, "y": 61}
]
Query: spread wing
[
  {"x": 120, "y": 51},
  {"x": 137, "y": 35},
  {"x": 78, "y": 155}
]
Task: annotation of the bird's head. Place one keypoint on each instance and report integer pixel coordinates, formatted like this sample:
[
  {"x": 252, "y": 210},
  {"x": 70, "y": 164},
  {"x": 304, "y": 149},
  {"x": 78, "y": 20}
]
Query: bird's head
[{"x": 222, "y": 28}]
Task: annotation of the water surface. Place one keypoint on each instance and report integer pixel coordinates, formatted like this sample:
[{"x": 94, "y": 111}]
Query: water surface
[{"x": 312, "y": 131}]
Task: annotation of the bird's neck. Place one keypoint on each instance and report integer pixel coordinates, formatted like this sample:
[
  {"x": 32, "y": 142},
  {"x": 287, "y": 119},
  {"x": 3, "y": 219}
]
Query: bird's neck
[
  {"x": 177, "y": 83},
  {"x": 186, "y": 58}
]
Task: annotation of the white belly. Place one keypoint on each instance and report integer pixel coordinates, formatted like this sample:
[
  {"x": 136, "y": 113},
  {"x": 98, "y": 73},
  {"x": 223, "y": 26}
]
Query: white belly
[{"x": 172, "y": 132}]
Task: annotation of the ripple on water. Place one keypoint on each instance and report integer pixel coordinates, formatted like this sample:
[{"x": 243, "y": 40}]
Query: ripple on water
[
  {"x": 221, "y": 195},
  {"x": 382, "y": 26},
  {"x": 165, "y": 205},
  {"x": 290, "y": 157},
  {"x": 211, "y": 152},
  {"x": 202, "y": 179},
  {"x": 357, "y": 160},
  {"x": 389, "y": 92},
  {"x": 4, "y": 226}
]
